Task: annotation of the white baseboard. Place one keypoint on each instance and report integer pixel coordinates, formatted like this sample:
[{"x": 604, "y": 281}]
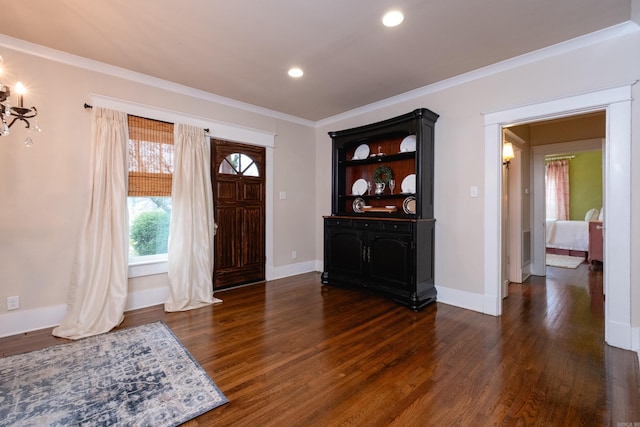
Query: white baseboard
[
  {"x": 462, "y": 299},
  {"x": 21, "y": 321},
  {"x": 635, "y": 341},
  {"x": 147, "y": 298},
  {"x": 294, "y": 269},
  {"x": 618, "y": 334}
]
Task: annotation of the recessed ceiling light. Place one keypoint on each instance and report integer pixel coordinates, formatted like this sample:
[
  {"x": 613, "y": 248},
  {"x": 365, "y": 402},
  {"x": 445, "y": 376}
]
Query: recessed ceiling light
[
  {"x": 393, "y": 18},
  {"x": 296, "y": 72}
]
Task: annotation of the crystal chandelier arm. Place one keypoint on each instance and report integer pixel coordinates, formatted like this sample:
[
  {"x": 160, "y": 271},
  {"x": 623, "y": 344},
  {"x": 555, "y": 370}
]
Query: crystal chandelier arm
[
  {"x": 23, "y": 114},
  {"x": 20, "y": 118}
]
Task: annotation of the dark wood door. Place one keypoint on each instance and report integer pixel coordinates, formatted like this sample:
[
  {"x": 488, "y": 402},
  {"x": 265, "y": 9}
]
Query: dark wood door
[{"x": 238, "y": 183}]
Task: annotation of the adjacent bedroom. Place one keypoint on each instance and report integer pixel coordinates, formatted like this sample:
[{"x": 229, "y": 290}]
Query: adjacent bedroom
[{"x": 574, "y": 209}]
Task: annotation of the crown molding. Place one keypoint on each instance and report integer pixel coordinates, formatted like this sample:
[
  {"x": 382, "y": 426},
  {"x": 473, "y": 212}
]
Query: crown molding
[
  {"x": 586, "y": 40},
  {"x": 625, "y": 28},
  {"x": 111, "y": 70}
]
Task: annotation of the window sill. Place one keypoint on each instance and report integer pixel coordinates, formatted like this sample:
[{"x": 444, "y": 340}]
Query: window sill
[{"x": 148, "y": 265}]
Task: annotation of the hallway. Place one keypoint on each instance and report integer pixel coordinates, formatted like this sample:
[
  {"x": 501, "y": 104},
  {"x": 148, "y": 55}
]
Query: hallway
[{"x": 565, "y": 310}]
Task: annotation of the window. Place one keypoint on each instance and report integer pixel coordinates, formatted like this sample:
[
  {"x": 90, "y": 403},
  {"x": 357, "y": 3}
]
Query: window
[
  {"x": 557, "y": 189},
  {"x": 238, "y": 164},
  {"x": 151, "y": 158}
]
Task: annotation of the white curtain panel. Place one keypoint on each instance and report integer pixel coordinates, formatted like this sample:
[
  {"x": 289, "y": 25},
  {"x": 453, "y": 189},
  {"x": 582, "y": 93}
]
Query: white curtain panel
[
  {"x": 190, "y": 257},
  {"x": 98, "y": 290}
]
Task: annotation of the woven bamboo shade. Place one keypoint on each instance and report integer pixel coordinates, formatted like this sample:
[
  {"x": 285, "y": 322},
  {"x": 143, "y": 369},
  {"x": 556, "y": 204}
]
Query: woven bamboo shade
[{"x": 150, "y": 157}]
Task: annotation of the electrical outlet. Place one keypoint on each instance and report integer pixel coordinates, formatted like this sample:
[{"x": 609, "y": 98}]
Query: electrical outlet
[
  {"x": 13, "y": 303},
  {"x": 294, "y": 255}
]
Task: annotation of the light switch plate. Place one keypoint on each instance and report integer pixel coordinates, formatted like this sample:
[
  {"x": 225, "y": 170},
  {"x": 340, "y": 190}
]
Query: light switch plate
[{"x": 13, "y": 303}]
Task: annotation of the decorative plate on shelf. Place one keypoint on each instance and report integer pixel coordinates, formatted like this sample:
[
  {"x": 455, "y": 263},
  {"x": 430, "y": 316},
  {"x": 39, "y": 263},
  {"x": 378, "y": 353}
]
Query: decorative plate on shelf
[
  {"x": 361, "y": 153},
  {"x": 409, "y": 184},
  {"x": 358, "y": 204},
  {"x": 409, "y": 205},
  {"x": 408, "y": 144},
  {"x": 386, "y": 209},
  {"x": 359, "y": 187}
]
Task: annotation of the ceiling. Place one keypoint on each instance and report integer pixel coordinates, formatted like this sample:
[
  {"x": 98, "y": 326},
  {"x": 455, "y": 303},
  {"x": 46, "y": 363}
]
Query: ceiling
[{"x": 242, "y": 49}]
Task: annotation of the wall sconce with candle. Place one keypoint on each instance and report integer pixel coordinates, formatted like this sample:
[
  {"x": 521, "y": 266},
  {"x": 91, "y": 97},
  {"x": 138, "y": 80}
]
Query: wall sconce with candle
[
  {"x": 507, "y": 154},
  {"x": 9, "y": 114}
]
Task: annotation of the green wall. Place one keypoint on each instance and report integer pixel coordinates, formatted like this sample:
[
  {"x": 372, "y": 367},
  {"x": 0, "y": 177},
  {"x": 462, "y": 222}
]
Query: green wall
[{"x": 585, "y": 183}]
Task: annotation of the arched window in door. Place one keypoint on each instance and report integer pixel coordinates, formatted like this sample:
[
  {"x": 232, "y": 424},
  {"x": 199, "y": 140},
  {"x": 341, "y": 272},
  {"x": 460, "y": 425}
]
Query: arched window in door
[{"x": 238, "y": 164}]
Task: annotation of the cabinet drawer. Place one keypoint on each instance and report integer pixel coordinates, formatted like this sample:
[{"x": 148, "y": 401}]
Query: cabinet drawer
[
  {"x": 366, "y": 225},
  {"x": 396, "y": 226},
  {"x": 338, "y": 222}
]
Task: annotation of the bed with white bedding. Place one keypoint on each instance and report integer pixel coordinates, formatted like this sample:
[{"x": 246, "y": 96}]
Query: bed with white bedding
[{"x": 570, "y": 237}]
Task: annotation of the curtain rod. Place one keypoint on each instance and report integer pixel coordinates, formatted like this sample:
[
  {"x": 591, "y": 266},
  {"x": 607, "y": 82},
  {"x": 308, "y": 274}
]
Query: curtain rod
[
  {"x": 87, "y": 106},
  {"x": 550, "y": 159}
]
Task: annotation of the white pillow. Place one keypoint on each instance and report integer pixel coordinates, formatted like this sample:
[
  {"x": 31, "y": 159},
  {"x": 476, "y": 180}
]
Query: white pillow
[
  {"x": 591, "y": 215},
  {"x": 601, "y": 215}
]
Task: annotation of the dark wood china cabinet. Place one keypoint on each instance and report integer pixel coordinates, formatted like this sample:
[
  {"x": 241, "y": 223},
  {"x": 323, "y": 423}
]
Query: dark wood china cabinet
[{"x": 381, "y": 231}]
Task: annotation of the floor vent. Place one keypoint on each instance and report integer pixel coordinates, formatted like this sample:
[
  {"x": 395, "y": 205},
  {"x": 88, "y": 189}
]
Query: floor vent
[{"x": 526, "y": 247}]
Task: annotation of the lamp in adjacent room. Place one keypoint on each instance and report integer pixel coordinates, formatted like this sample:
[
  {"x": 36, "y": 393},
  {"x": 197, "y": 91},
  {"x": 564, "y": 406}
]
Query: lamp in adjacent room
[
  {"x": 9, "y": 114},
  {"x": 507, "y": 154}
]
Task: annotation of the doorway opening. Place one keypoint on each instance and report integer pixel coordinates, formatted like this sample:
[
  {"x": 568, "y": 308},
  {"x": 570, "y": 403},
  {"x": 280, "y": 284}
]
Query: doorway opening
[
  {"x": 577, "y": 142},
  {"x": 565, "y": 234},
  {"x": 616, "y": 102}
]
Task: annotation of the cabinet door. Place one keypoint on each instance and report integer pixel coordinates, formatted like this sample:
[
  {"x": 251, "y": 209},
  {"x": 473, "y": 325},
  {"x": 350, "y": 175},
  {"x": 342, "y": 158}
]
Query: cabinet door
[
  {"x": 595, "y": 241},
  {"x": 345, "y": 249},
  {"x": 390, "y": 259}
]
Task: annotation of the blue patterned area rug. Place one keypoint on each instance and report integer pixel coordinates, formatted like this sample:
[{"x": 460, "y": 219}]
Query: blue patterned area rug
[{"x": 141, "y": 376}]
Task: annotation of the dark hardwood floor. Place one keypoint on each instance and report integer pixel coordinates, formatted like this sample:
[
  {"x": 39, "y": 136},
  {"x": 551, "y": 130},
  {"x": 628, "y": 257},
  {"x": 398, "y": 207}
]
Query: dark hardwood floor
[{"x": 294, "y": 353}]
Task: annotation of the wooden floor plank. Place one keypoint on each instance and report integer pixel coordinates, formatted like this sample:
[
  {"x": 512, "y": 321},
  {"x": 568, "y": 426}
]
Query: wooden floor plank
[{"x": 293, "y": 352}]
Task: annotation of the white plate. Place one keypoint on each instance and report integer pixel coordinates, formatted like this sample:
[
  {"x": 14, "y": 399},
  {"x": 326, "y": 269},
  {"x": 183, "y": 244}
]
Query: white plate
[
  {"x": 409, "y": 184},
  {"x": 361, "y": 153},
  {"x": 408, "y": 144},
  {"x": 359, "y": 187}
]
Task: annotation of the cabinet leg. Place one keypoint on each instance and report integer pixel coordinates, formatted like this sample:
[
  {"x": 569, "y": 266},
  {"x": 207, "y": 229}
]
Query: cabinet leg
[
  {"x": 324, "y": 278},
  {"x": 416, "y": 305}
]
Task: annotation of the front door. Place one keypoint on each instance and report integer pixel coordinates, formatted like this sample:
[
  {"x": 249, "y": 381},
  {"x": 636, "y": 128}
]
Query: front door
[{"x": 238, "y": 182}]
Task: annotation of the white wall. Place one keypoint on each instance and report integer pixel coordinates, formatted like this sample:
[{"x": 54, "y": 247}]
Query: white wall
[
  {"x": 590, "y": 64},
  {"x": 44, "y": 189}
]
